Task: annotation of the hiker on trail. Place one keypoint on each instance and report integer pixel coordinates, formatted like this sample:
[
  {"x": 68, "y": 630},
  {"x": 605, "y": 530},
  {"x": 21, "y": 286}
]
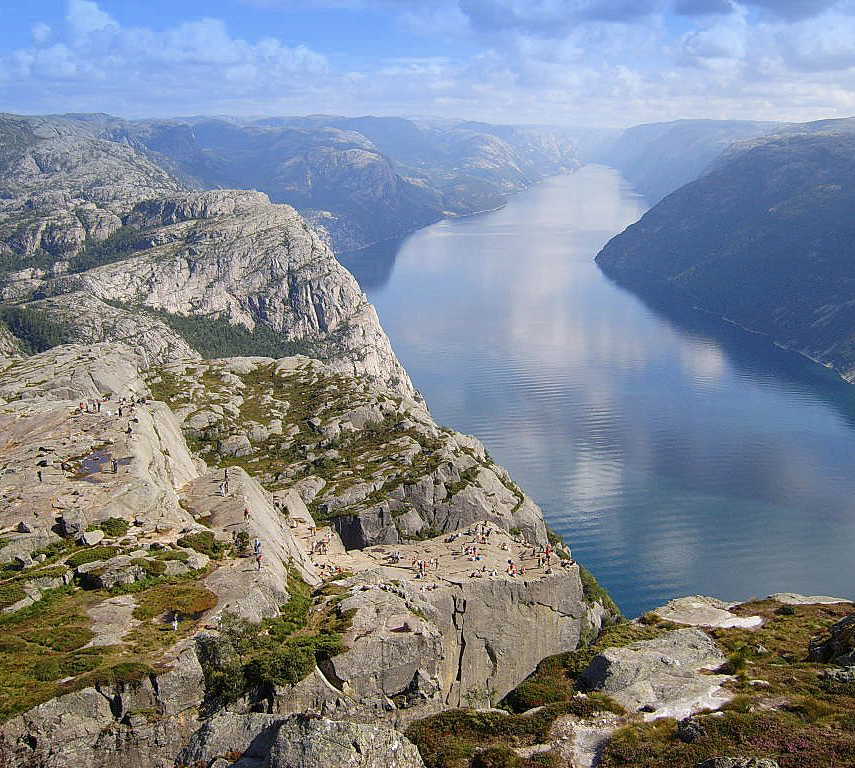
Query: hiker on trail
[
  {"x": 256, "y": 546},
  {"x": 39, "y": 474},
  {"x": 98, "y": 406},
  {"x": 175, "y": 622},
  {"x": 245, "y": 514},
  {"x": 222, "y": 489},
  {"x": 129, "y": 431},
  {"x": 226, "y": 473},
  {"x": 258, "y": 557},
  {"x": 115, "y": 465},
  {"x": 120, "y": 411}
]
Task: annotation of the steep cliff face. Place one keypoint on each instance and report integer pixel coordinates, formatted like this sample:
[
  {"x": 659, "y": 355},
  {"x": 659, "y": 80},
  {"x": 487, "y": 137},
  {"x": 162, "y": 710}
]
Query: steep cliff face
[
  {"x": 763, "y": 240},
  {"x": 225, "y": 254}
]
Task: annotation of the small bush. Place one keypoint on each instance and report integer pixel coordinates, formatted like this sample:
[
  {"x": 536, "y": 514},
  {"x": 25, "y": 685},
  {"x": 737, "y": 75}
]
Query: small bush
[
  {"x": 594, "y": 593},
  {"x": 172, "y": 554},
  {"x": 152, "y": 568},
  {"x": 113, "y": 527},
  {"x": 537, "y": 693},
  {"x": 242, "y": 542},
  {"x": 91, "y": 555},
  {"x": 786, "y": 610},
  {"x": 496, "y": 757},
  {"x": 204, "y": 542},
  {"x": 124, "y": 672}
]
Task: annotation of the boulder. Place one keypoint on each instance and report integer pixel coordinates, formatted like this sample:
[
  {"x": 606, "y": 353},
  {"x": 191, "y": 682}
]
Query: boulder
[
  {"x": 298, "y": 741},
  {"x": 72, "y": 523},
  {"x": 115, "y": 572},
  {"x": 236, "y": 445},
  {"x": 662, "y": 677},
  {"x": 91, "y": 538},
  {"x": 306, "y": 742},
  {"x": 227, "y": 733},
  {"x": 838, "y": 647}
]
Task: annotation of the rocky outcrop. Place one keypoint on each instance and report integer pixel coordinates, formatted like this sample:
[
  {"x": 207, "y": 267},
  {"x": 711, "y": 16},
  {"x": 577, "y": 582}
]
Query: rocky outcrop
[
  {"x": 664, "y": 677},
  {"x": 63, "y": 186},
  {"x": 304, "y": 742},
  {"x": 297, "y": 742},
  {"x": 143, "y": 724},
  {"x": 700, "y": 611},
  {"x": 230, "y": 255},
  {"x": 303, "y": 421},
  {"x": 838, "y": 647}
]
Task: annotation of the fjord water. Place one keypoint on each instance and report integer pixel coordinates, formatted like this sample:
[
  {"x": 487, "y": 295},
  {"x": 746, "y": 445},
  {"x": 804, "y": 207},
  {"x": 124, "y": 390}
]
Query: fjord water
[{"x": 675, "y": 453}]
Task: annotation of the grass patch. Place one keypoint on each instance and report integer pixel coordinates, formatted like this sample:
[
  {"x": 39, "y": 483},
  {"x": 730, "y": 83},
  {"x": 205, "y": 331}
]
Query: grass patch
[
  {"x": 206, "y": 543},
  {"x": 114, "y": 527},
  {"x": 185, "y": 599},
  {"x": 91, "y": 555}
]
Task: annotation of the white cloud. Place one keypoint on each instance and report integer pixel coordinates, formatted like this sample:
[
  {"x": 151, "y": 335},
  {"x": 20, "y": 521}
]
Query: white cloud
[
  {"x": 85, "y": 17},
  {"x": 584, "y": 62},
  {"x": 41, "y": 32}
]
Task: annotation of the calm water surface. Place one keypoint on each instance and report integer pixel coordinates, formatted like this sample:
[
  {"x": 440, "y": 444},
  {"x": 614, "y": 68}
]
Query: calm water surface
[{"x": 675, "y": 453}]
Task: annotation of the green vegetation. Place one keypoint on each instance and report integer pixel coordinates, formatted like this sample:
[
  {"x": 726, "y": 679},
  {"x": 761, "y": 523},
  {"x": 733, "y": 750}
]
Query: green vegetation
[
  {"x": 114, "y": 527},
  {"x": 188, "y": 599},
  {"x": 11, "y": 593},
  {"x": 281, "y": 652},
  {"x": 215, "y": 337},
  {"x": 454, "y": 739},
  {"x": 121, "y": 244},
  {"x": 91, "y": 555},
  {"x": 42, "y": 644},
  {"x": 595, "y": 593},
  {"x": 36, "y": 330},
  {"x": 206, "y": 543}
]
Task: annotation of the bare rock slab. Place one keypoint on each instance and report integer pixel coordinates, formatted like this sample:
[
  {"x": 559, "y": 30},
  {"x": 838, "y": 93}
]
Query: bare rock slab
[
  {"x": 662, "y": 677},
  {"x": 700, "y": 611}
]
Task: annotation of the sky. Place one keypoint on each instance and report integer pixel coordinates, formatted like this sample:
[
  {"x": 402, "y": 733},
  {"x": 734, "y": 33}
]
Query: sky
[{"x": 579, "y": 63}]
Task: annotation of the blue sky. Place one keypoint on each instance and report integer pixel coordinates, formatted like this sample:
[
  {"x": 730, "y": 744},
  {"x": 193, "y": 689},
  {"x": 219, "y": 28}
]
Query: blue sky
[{"x": 572, "y": 62}]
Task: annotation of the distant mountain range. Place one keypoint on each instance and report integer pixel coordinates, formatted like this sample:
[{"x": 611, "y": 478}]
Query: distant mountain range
[
  {"x": 765, "y": 238},
  {"x": 361, "y": 180},
  {"x": 658, "y": 158}
]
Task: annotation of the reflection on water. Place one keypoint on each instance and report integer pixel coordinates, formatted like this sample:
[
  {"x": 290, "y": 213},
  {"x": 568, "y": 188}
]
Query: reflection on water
[{"x": 676, "y": 453}]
